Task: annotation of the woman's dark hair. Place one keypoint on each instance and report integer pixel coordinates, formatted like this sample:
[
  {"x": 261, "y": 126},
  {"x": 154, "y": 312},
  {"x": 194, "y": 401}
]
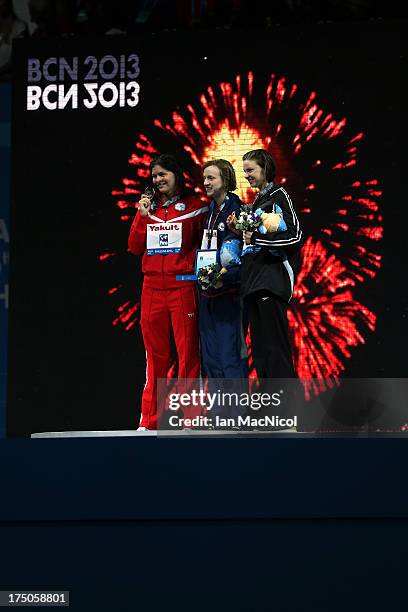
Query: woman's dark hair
[
  {"x": 170, "y": 163},
  {"x": 227, "y": 173},
  {"x": 265, "y": 160}
]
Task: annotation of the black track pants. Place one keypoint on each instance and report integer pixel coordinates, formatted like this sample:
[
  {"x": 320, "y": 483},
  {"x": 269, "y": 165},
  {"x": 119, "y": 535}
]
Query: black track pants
[{"x": 268, "y": 324}]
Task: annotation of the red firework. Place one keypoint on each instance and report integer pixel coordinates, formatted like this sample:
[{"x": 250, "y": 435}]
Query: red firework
[{"x": 340, "y": 208}]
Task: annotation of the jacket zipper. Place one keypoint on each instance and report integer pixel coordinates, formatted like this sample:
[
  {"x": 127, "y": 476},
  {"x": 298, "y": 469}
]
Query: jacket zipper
[{"x": 166, "y": 210}]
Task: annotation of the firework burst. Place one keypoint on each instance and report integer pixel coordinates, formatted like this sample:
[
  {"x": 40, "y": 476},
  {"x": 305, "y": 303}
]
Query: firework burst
[{"x": 319, "y": 157}]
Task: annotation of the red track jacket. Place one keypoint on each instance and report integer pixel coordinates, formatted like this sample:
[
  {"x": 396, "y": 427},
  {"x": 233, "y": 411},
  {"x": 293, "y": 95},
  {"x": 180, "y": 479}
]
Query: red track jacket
[{"x": 160, "y": 271}]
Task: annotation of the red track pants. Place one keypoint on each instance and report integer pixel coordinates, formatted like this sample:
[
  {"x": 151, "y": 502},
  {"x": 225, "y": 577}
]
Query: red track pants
[{"x": 162, "y": 309}]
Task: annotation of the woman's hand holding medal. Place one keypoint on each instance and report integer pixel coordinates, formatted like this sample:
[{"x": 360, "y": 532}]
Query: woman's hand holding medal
[{"x": 145, "y": 202}]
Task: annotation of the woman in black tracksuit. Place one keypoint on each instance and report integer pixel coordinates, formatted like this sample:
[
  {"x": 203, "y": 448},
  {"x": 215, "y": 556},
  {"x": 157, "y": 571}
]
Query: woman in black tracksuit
[{"x": 270, "y": 263}]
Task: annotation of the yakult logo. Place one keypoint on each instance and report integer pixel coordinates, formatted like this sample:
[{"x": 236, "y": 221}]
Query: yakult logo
[{"x": 158, "y": 227}]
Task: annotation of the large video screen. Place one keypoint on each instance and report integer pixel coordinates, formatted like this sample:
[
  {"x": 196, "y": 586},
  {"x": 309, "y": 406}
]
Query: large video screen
[{"x": 89, "y": 116}]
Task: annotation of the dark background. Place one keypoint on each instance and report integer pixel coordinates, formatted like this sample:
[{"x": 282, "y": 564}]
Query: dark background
[
  {"x": 241, "y": 565},
  {"x": 195, "y": 524},
  {"x": 69, "y": 367}
]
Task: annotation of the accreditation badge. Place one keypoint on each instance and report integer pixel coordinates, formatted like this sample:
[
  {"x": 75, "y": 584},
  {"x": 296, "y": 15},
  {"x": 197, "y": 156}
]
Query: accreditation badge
[
  {"x": 209, "y": 236},
  {"x": 205, "y": 257},
  {"x": 163, "y": 238}
]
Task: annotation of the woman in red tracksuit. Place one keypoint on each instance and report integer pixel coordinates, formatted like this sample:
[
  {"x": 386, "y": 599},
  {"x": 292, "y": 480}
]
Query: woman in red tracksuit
[{"x": 167, "y": 230}]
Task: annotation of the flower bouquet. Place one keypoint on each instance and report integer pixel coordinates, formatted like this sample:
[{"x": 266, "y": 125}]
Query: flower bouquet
[
  {"x": 208, "y": 276},
  {"x": 248, "y": 220}
]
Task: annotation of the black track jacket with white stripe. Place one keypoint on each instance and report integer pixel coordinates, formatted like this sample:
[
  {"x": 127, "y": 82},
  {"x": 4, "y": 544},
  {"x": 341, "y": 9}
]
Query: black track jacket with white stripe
[{"x": 274, "y": 268}]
